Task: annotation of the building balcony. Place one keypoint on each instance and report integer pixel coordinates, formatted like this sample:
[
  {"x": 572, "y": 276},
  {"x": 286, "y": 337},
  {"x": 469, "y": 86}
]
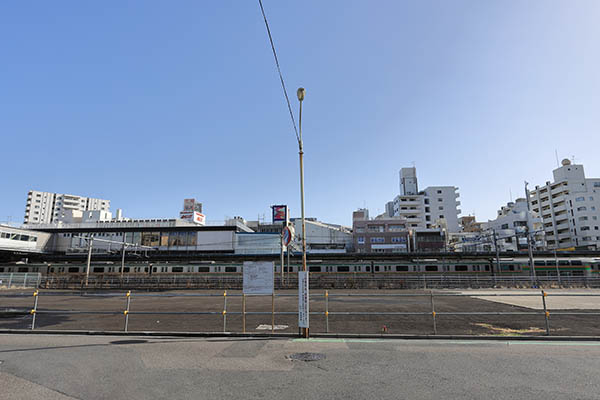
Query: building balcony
[
  {"x": 408, "y": 202},
  {"x": 563, "y": 236},
  {"x": 560, "y": 208},
  {"x": 562, "y": 219},
  {"x": 418, "y": 210}
]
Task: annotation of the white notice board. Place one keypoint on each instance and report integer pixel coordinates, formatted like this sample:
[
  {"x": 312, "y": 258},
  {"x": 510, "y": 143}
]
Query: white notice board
[
  {"x": 303, "y": 311},
  {"x": 258, "y": 277}
]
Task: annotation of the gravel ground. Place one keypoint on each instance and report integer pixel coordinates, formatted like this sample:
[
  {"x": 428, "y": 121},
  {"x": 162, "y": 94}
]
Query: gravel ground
[{"x": 367, "y": 322}]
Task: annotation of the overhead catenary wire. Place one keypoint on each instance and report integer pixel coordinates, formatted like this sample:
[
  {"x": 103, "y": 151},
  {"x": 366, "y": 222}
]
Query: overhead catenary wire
[{"x": 287, "y": 99}]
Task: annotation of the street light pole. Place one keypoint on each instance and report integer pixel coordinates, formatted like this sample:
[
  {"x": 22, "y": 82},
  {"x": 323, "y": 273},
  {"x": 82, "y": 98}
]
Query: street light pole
[{"x": 300, "y": 93}]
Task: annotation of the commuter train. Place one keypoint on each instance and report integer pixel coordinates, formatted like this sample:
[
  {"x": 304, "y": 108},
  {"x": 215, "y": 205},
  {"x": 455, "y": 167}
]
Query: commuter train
[{"x": 572, "y": 266}]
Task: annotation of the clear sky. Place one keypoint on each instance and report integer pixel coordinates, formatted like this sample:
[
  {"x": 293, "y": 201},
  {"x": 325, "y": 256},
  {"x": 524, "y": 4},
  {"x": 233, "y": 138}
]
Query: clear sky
[{"x": 148, "y": 102}]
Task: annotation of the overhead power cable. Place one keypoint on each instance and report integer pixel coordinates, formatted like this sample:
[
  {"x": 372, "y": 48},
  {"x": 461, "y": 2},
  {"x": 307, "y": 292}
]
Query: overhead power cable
[{"x": 287, "y": 99}]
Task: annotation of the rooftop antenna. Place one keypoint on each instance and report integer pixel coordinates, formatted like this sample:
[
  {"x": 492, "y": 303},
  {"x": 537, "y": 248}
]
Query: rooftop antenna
[
  {"x": 556, "y": 155},
  {"x": 510, "y": 194},
  {"x": 572, "y": 159}
]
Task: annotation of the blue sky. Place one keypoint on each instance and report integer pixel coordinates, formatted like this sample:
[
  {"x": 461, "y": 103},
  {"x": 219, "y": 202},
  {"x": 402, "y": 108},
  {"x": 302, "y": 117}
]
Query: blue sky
[{"x": 147, "y": 102}]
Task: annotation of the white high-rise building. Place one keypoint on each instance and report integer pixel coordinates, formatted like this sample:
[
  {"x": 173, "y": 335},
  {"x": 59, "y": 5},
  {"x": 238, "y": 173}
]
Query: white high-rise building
[
  {"x": 569, "y": 208},
  {"x": 408, "y": 181},
  {"x": 47, "y": 208},
  {"x": 434, "y": 207},
  {"x": 513, "y": 225}
]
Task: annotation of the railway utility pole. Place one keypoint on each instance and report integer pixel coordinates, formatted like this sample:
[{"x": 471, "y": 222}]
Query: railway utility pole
[
  {"x": 528, "y": 233},
  {"x": 89, "y": 259},
  {"x": 497, "y": 254}
]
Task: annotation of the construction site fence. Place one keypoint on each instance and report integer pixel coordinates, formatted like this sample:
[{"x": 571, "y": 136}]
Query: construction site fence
[
  {"x": 233, "y": 281},
  {"x": 323, "y": 296},
  {"x": 20, "y": 280}
]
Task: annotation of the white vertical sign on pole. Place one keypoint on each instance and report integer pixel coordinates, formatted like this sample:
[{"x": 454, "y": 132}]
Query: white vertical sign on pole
[{"x": 303, "y": 311}]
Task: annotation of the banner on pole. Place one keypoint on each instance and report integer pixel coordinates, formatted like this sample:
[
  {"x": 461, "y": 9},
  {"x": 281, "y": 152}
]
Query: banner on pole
[{"x": 303, "y": 296}]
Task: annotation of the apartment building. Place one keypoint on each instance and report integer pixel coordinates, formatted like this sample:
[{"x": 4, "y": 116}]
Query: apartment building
[
  {"x": 569, "y": 208},
  {"x": 47, "y": 207},
  {"x": 436, "y": 206},
  {"x": 392, "y": 235},
  {"x": 513, "y": 224}
]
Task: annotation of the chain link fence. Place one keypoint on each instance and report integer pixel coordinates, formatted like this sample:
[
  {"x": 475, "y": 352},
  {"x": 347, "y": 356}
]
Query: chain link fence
[
  {"x": 20, "y": 280},
  {"x": 318, "y": 281}
]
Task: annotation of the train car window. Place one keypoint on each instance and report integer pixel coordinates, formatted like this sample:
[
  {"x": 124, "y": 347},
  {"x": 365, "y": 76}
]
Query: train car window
[
  {"x": 402, "y": 268},
  {"x": 563, "y": 262},
  {"x": 1, "y": 269},
  {"x": 476, "y": 268},
  {"x": 73, "y": 269},
  {"x": 146, "y": 269},
  {"x": 343, "y": 269},
  {"x": 154, "y": 269},
  {"x": 314, "y": 269},
  {"x": 125, "y": 269},
  {"x": 377, "y": 268},
  {"x": 203, "y": 269},
  {"x": 23, "y": 269},
  {"x": 177, "y": 269},
  {"x": 431, "y": 268},
  {"x": 230, "y": 269},
  {"x": 487, "y": 267},
  {"x": 576, "y": 262},
  {"x": 52, "y": 269},
  {"x": 368, "y": 269},
  {"x": 98, "y": 269},
  {"x": 539, "y": 262},
  {"x": 461, "y": 268}
]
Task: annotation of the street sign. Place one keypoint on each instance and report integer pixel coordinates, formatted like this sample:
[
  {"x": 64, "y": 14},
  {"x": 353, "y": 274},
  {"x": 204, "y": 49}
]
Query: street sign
[
  {"x": 258, "y": 277},
  {"x": 288, "y": 235},
  {"x": 303, "y": 311}
]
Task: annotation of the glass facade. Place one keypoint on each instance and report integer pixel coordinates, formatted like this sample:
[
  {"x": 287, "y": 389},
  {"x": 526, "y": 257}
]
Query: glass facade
[{"x": 175, "y": 240}]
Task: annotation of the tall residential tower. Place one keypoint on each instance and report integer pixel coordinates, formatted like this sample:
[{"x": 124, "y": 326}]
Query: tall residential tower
[
  {"x": 569, "y": 208},
  {"x": 47, "y": 208},
  {"x": 434, "y": 207}
]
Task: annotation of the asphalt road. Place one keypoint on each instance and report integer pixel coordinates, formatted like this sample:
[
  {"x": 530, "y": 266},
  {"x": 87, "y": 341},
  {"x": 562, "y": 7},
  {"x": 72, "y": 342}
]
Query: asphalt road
[{"x": 97, "y": 367}]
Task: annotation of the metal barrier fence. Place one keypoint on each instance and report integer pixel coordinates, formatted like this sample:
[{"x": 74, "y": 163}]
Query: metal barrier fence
[
  {"x": 233, "y": 281},
  {"x": 325, "y": 296},
  {"x": 20, "y": 280}
]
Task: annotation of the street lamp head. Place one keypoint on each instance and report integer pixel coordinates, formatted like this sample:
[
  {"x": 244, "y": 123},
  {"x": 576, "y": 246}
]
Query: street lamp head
[{"x": 300, "y": 93}]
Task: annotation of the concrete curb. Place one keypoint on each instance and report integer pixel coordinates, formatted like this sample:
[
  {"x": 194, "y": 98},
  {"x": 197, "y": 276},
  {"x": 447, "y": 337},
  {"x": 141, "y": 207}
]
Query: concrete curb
[{"x": 296, "y": 336}]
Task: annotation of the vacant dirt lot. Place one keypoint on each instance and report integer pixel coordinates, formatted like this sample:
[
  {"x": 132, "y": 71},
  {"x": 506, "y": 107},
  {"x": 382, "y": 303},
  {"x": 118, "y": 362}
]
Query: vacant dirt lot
[{"x": 55, "y": 311}]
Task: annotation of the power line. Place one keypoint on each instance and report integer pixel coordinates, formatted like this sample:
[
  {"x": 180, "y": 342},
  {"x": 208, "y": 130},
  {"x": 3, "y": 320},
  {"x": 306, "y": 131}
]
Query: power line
[{"x": 287, "y": 99}]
